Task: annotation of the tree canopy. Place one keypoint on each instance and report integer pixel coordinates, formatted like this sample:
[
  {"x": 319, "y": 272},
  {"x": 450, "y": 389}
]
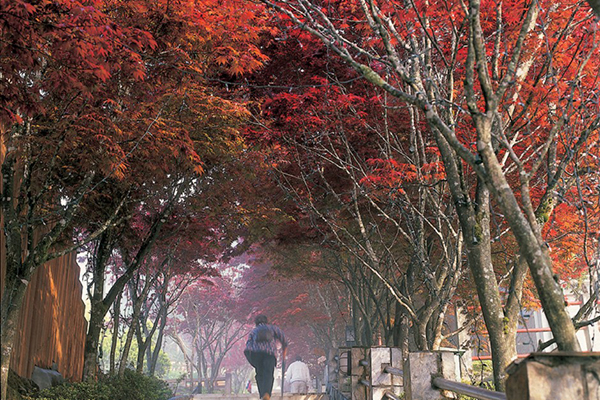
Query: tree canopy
[{"x": 409, "y": 160}]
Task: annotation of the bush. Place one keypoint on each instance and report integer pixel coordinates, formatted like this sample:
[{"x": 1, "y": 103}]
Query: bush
[
  {"x": 19, "y": 386},
  {"x": 131, "y": 386},
  {"x": 80, "y": 390},
  {"x": 135, "y": 386}
]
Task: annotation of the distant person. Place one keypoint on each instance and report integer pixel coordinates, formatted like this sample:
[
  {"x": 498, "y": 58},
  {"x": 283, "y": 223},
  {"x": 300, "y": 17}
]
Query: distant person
[
  {"x": 298, "y": 376},
  {"x": 261, "y": 350}
]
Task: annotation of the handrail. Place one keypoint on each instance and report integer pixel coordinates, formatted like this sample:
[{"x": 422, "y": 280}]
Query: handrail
[
  {"x": 390, "y": 395},
  {"x": 334, "y": 393},
  {"x": 393, "y": 371},
  {"x": 365, "y": 382},
  {"x": 467, "y": 390}
]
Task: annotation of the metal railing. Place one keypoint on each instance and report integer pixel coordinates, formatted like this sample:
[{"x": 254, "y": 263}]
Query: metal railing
[
  {"x": 334, "y": 393},
  {"x": 443, "y": 384},
  {"x": 388, "y": 370},
  {"x": 393, "y": 371},
  {"x": 390, "y": 395},
  {"x": 467, "y": 390},
  {"x": 360, "y": 382}
]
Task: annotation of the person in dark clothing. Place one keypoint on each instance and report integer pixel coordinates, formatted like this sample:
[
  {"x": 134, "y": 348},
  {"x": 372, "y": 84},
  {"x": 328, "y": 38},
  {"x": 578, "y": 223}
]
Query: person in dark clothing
[{"x": 261, "y": 353}]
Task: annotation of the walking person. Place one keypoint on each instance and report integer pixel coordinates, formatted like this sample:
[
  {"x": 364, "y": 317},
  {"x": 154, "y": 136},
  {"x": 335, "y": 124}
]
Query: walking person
[
  {"x": 298, "y": 376},
  {"x": 261, "y": 353}
]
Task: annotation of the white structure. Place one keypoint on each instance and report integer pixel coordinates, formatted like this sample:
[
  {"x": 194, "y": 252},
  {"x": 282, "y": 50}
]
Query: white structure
[{"x": 534, "y": 329}]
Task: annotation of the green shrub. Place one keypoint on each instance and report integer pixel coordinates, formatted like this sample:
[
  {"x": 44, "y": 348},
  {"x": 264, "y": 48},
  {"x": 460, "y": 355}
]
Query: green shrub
[
  {"x": 135, "y": 386},
  {"x": 489, "y": 385},
  {"x": 19, "y": 386},
  {"x": 131, "y": 386},
  {"x": 80, "y": 390}
]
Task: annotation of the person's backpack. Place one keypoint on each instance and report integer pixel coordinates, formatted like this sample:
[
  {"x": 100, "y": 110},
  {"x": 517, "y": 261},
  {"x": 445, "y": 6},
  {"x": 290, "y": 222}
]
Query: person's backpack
[{"x": 263, "y": 333}]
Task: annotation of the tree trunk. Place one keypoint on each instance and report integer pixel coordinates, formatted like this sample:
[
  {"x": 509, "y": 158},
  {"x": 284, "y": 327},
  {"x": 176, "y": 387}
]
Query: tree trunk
[
  {"x": 115, "y": 335},
  {"x": 159, "y": 340},
  {"x": 530, "y": 245},
  {"x": 97, "y": 308},
  {"x": 401, "y": 331},
  {"x": 475, "y": 225},
  {"x": 480, "y": 261},
  {"x": 92, "y": 339},
  {"x": 127, "y": 346},
  {"x": 141, "y": 355},
  {"x": 188, "y": 359},
  {"x": 135, "y": 316},
  {"x": 147, "y": 353},
  {"x": 145, "y": 345},
  {"x": 12, "y": 301}
]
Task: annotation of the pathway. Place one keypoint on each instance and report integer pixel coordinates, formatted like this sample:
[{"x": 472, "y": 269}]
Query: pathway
[{"x": 255, "y": 396}]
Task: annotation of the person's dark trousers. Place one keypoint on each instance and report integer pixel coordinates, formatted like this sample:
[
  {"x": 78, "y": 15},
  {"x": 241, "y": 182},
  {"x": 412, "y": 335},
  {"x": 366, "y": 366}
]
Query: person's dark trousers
[{"x": 264, "y": 365}]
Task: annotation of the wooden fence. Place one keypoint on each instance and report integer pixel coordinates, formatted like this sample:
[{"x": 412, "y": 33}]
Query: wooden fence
[{"x": 52, "y": 326}]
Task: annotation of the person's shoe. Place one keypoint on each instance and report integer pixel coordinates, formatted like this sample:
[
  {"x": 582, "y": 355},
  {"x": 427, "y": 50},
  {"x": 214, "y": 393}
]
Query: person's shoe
[{"x": 266, "y": 396}]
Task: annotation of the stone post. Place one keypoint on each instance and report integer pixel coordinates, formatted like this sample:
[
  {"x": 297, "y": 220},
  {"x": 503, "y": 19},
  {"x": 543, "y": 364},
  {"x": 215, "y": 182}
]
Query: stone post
[
  {"x": 228, "y": 383},
  {"x": 556, "y": 376},
  {"x": 419, "y": 369},
  {"x": 360, "y": 373},
  {"x": 464, "y": 344},
  {"x": 382, "y": 380}
]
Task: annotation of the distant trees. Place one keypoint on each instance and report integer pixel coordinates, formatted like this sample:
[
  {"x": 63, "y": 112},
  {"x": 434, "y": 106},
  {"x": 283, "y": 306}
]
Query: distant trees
[{"x": 206, "y": 326}]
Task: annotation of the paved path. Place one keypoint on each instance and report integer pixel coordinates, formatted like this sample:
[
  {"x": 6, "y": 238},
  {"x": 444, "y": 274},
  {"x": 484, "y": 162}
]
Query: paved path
[{"x": 255, "y": 397}]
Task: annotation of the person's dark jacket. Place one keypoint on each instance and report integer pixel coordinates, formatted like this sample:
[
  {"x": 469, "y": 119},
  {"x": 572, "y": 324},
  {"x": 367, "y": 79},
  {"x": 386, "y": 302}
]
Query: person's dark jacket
[{"x": 269, "y": 347}]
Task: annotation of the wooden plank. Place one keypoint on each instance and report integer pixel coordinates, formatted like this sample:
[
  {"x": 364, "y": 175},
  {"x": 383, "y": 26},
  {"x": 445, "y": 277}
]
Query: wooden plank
[{"x": 52, "y": 325}]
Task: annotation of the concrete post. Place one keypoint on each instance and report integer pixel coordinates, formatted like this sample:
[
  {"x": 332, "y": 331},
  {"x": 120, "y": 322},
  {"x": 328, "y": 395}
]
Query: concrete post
[
  {"x": 360, "y": 373},
  {"x": 382, "y": 380},
  {"x": 397, "y": 362},
  {"x": 228, "y": 383},
  {"x": 556, "y": 376},
  {"x": 419, "y": 369},
  {"x": 463, "y": 342},
  {"x": 358, "y": 355}
]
